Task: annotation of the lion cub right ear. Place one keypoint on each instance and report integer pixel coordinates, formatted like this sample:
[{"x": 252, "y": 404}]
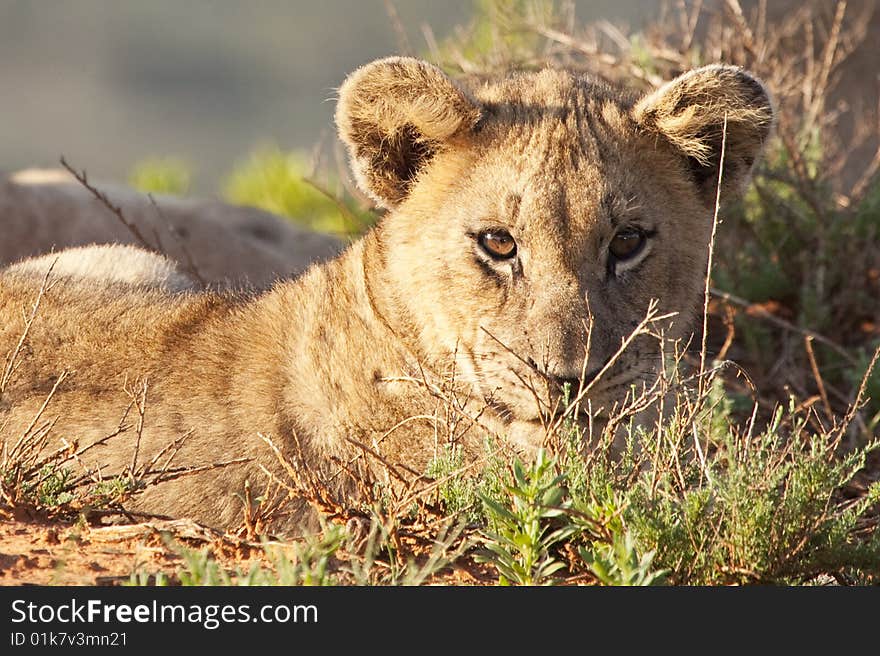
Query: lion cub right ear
[
  {"x": 691, "y": 112},
  {"x": 394, "y": 115}
]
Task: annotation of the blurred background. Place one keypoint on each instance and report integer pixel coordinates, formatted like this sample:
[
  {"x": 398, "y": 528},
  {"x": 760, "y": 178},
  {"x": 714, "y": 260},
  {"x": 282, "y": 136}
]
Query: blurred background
[{"x": 110, "y": 84}]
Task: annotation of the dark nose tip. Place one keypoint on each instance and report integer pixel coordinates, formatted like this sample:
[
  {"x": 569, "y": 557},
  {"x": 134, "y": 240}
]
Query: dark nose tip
[{"x": 573, "y": 384}]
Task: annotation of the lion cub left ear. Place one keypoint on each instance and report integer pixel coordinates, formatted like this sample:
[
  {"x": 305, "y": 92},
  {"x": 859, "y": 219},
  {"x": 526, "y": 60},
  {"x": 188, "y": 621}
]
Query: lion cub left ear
[
  {"x": 690, "y": 113},
  {"x": 394, "y": 115}
]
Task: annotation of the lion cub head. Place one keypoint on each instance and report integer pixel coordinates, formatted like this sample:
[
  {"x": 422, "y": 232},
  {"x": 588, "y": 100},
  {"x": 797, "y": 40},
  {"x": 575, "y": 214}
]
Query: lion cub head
[{"x": 534, "y": 218}]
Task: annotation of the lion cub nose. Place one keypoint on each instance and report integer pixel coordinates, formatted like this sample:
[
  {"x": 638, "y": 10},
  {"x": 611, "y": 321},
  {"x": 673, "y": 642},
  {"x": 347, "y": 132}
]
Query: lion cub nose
[{"x": 574, "y": 384}]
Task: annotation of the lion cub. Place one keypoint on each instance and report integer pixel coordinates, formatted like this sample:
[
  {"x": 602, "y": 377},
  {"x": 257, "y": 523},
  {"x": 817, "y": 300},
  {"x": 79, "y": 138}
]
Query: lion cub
[{"x": 523, "y": 214}]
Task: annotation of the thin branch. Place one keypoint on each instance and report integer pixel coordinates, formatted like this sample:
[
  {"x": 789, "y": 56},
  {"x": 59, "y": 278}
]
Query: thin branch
[
  {"x": 706, "y": 293},
  {"x": 82, "y": 178},
  {"x": 758, "y": 311},
  {"x": 190, "y": 265},
  {"x": 808, "y": 345},
  {"x": 11, "y": 363}
]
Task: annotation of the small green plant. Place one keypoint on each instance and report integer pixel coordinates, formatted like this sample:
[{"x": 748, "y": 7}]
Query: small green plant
[
  {"x": 142, "y": 578},
  {"x": 52, "y": 488},
  {"x": 303, "y": 563},
  {"x": 612, "y": 555},
  {"x": 111, "y": 490},
  {"x": 619, "y": 563},
  {"x": 521, "y": 535},
  {"x": 161, "y": 175},
  {"x": 310, "y": 562},
  {"x": 456, "y": 489},
  {"x": 203, "y": 570},
  {"x": 380, "y": 563}
]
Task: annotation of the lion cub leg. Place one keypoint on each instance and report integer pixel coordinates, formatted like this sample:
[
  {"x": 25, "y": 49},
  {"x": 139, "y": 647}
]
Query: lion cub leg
[{"x": 110, "y": 264}]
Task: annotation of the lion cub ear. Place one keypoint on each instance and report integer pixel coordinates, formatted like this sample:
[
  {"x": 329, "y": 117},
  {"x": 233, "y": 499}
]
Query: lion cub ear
[
  {"x": 394, "y": 115},
  {"x": 690, "y": 112}
]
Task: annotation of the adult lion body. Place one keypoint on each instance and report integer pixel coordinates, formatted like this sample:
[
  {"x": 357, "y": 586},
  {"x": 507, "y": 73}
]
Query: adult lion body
[{"x": 532, "y": 220}]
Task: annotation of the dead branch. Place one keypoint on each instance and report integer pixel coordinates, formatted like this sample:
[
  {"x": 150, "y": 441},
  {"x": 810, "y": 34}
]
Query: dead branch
[{"x": 83, "y": 179}]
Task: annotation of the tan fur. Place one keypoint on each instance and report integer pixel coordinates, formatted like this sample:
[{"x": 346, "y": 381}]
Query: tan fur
[
  {"x": 365, "y": 351},
  {"x": 110, "y": 264},
  {"x": 44, "y": 211}
]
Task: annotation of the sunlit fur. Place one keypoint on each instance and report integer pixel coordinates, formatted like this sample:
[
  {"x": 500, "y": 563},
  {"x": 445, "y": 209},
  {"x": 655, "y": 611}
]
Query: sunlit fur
[{"x": 109, "y": 263}]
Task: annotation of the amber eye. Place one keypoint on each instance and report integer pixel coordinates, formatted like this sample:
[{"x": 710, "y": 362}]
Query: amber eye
[
  {"x": 626, "y": 244},
  {"x": 498, "y": 244}
]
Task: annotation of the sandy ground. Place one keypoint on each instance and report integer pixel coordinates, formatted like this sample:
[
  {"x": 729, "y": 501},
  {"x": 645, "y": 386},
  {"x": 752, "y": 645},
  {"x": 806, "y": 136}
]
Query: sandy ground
[
  {"x": 45, "y": 552},
  {"x": 39, "y": 551}
]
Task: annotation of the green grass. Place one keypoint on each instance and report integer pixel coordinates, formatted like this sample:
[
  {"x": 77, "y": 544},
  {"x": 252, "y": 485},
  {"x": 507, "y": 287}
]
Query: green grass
[
  {"x": 333, "y": 556},
  {"x": 762, "y": 507},
  {"x": 161, "y": 175},
  {"x": 283, "y": 183},
  {"x": 280, "y": 182},
  {"x": 306, "y": 563},
  {"x": 458, "y": 494}
]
